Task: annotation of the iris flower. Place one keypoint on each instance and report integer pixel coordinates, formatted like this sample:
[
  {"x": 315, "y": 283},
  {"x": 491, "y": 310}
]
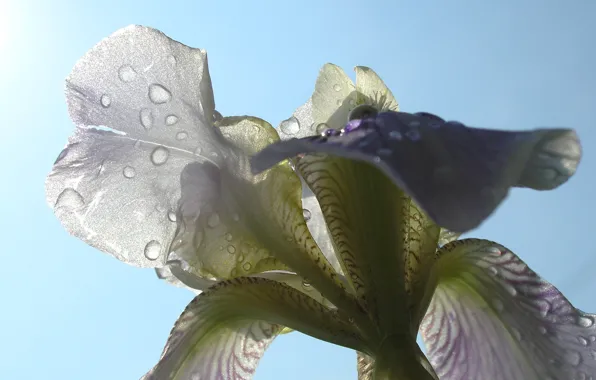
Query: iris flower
[{"x": 352, "y": 240}]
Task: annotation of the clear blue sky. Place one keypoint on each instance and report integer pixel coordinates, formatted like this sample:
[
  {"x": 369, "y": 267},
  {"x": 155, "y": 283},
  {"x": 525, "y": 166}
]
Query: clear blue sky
[{"x": 72, "y": 313}]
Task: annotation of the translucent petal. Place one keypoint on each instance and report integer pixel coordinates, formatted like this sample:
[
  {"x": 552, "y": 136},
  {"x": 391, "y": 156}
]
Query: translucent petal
[
  {"x": 165, "y": 273},
  {"x": 384, "y": 244},
  {"x": 213, "y": 239},
  {"x": 365, "y": 365},
  {"x": 447, "y": 236},
  {"x": 458, "y": 175},
  {"x": 270, "y": 206},
  {"x": 372, "y": 90},
  {"x": 117, "y": 189},
  {"x": 224, "y": 331},
  {"x": 492, "y": 317}
]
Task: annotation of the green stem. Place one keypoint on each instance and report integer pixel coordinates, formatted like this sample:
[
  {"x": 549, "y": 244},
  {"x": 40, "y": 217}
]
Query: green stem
[{"x": 400, "y": 358}]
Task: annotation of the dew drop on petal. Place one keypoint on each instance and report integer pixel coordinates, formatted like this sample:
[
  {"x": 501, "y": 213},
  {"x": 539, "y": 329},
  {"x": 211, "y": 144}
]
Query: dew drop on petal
[
  {"x": 498, "y": 304},
  {"x": 159, "y": 156},
  {"x": 231, "y": 249},
  {"x": 542, "y": 330},
  {"x": 413, "y": 135},
  {"x": 337, "y": 87},
  {"x": 69, "y": 199},
  {"x": 585, "y": 321},
  {"x": 246, "y": 266},
  {"x": 126, "y": 73},
  {"x": 172, "y": 216},
  {"x": 152, "y": 250},
  {"x": 129, "y": 172},
  {"x": 583, "y": 341},
  {"x": 493, "y": 271},
  {"x": 240, "y": 258},
  {"x": 198, "y": 151},
  {"x": 573, "y": 358},
  {"x": 228, "y": 236},
  {"x": 172, "y": 60},
  {"x": 171, "y": 120},
  {"x": 510, "y": 289},
  {"x": 105, "y": 101},
  {"x": 146, "y": 118},
  {"x": 158, "y": 94},
  {"x": 290, "y": 126},
  {"x": 395, "y": 135},
  {"x": 213, "y": 220},
  {"x": 306, "y": 214},
  {"x": 322, "y": 127},
  {"x": 306, "y": 286},
  {"x": 181, "y": 135}
]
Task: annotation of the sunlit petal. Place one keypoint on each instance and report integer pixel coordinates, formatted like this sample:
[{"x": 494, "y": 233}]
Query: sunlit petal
[
  {"x": 224, "y": 331},
  {"x": 458, "y": 175},
  {"x": 372, "y": 90},
  {"x": 117, "y": 188},
  {"x": 492, "y": 317}
]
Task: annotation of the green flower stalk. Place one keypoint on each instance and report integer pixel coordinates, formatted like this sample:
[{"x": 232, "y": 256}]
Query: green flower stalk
[{"x": 342, "y": 230}]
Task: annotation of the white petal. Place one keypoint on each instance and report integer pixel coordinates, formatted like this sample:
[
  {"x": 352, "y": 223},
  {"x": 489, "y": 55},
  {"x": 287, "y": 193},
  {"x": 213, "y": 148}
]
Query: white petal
[{"x": 118, "y": 190}]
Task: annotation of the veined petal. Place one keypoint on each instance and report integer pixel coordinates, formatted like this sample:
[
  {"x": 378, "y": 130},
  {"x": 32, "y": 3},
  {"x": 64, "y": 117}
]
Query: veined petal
[
  {"x": 372, "y": 90},
  {"x": 447, "y": 236},
  {"x": 270, "y": 206},
  {"x": 224, "y": 331},
  {"x": 212, "y": 237},
  {"x": 458, "y": 175},
  {"x": 329, "y": 106},
  {"x": 384, "y": 244},
  {"x": 492, "y": 317},
  {"x": 117, "y": 190}
]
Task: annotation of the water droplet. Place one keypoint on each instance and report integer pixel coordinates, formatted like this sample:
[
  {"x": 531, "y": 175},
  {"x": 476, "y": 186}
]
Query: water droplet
[
  {"x": 593, "y": 338},
  {"x": 384, "y": 152},
  {"x": 213, "y": 220},
  {"x": 306, "y": 285},
  {"x": 69, "y": 199},
  {"x": 231, "y": 249},
  {"x": 573, "y": 358},
  {"x": 413, "y": 135},
  {"x": 159, "y": 156},
  {"x": 228, "y": 236},
  {"x": 105, "y": 101},
  {"x": 246, "y": 266},
  {"x": 337, "y": 87},
  {"x": 498, "y": 305},
  {"x": 322, "y": 127},
  {"x": 221, "y": 247},
  {"x": 583, "y": 341},
  {"x": 198, "y": 151},
  {"x": 146, "y": 118},
  {"x": 246, "y": 248},
  {"x": 171, "y": 119},
  {"x": 290, "y": 126},
  {"x": 152, "y": 250},
  {"x": 129, "y": 172},
  {"x": 306, "y": 214},
  {"x": 593, "y": 354},
  {"x": 585, "y": 321},
  {"x": 493, "y": 271},
  {"x": 172, "y": 216},
  {"x": 395, "y": 135},
  {"x": 510, "y": 289},
  {"x": 542, "y": 330},
  {"x": 240, "y": 258},
  {"x": 126, "y": 73},
  {"x": 172, "y": 60},
  {"x": 181, "y": 135},
  {"x": 158, "y": 94}
]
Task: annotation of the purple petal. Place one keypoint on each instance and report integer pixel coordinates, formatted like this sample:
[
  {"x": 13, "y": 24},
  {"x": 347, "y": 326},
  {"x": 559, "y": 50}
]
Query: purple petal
[
  {"x": 492, "y": 317},
  {"x": 458, "y": 175}
]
